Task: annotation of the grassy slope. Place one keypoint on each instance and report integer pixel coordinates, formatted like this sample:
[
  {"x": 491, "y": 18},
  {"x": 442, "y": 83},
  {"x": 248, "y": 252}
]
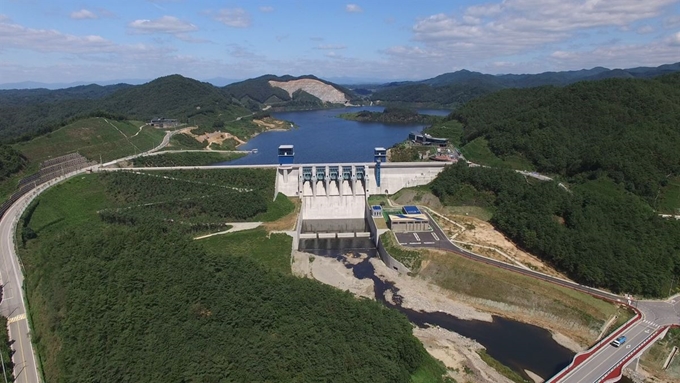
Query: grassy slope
[
  {"x": 478, "y": 151},
  {"x": 410, "y": 258},
  {"x": 271, "y": 251},
  {"x": 93, "y": 137},
  {"x": 541, "y": 300}
]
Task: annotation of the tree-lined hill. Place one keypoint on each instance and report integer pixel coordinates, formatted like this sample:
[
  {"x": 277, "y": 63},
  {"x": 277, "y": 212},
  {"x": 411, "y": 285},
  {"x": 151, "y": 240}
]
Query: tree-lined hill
[
  {"x": 456, "y": 88},
  {"x": 615, "y": 144},
  {"x": 624, "y": 129}
]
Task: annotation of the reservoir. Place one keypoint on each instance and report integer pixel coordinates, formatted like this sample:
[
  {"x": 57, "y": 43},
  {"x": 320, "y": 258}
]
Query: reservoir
[
  {"x": 518, "y": 345},
  {"x": 322, "y": 137}
]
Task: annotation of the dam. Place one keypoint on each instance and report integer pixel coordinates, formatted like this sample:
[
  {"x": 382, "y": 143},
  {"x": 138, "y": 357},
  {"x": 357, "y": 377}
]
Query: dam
[{"x": 339, "y": 191}]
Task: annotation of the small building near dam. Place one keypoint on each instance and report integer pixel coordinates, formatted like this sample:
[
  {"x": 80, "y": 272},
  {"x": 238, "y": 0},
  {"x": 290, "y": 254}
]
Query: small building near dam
[
  {"x": 408, "y": 223},
  {"x": 426, "y": 139}
]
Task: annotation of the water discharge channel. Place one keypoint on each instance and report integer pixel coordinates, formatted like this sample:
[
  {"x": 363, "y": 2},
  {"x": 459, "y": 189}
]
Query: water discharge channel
[{"x": 517, "y": 345}]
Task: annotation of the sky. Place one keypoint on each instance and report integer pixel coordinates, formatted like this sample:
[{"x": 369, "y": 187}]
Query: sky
[{"x": 62, "y": 41}]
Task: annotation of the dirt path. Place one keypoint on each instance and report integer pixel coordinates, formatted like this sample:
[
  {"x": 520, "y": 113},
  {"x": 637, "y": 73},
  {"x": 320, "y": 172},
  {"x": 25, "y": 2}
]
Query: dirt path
[{"x": 235, "y": 226}]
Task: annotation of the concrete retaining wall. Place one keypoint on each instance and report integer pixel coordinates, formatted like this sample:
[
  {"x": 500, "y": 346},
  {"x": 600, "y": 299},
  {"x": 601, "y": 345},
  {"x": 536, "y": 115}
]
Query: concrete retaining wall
[
  {"x": 384, "y": 255},
  {"x": 389, "y": 260},
  {"x": 337, "y": 207}
]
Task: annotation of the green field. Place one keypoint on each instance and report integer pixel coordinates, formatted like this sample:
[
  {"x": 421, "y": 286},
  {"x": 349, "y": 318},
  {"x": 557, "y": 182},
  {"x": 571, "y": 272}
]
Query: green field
[
  {"x": 93, "y": 137},
  {"x": 270, "y": 251},
  {"x": 478, "y": 151}
]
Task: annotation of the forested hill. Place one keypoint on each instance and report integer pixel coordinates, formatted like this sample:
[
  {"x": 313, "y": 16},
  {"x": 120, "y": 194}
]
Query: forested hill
[
  {"x": 172, "y": 96},
  {"x": 456, "y": 88},
  {"x": 29, "y": 113},
  {"x": 624, "y": 129},
  {"x": 258, "y": 92}
]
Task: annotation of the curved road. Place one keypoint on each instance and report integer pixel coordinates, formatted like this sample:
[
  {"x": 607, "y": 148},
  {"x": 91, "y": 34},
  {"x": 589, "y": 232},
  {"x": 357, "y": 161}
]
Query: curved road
[
  {"x": 13, "y": 304},
  {"x": 603, "y": 359}
]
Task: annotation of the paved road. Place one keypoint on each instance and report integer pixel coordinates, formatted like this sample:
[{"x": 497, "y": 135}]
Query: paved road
[
  {"x": 13, "y": 305},
  {"x": 606, "y": 358},
  {"x": 655, "y": 315}
]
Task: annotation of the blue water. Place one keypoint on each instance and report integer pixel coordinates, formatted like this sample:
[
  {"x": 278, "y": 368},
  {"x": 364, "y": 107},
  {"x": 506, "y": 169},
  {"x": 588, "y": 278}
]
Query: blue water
[{"x": 322, "y": 137}]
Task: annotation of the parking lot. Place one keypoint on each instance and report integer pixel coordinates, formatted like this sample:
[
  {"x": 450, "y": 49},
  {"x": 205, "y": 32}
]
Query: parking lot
[{"x": 426, "y": 238}]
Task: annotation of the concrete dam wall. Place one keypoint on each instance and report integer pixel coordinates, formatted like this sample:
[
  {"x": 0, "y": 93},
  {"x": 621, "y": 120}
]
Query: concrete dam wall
[{"x": 340, "y": 180}]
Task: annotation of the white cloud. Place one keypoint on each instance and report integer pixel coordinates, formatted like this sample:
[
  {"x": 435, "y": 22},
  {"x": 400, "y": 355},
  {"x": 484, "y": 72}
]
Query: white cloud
[
  {"x": 353, "y": 8},
  {"x": 674, "y": 40},
  {"x": 233, "y": 17},
  {"x": 645, "y": 29},
  {"x": 672, "y": 21},
  {"x": 619, "y": 56},
  {"x": 88, "y": 47},
  {"x": 165, "y": 24},
  {"x": 83, "y": 14},
  {"x": 4, "y": 18},
  {"x": 330, "y": 46},
  {"x": 266, "y": 9},
  {"x": 511, "y": 27}
]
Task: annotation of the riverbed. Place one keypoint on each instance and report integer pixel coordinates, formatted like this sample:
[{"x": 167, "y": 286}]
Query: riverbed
[{"x": 520, "y": 346}]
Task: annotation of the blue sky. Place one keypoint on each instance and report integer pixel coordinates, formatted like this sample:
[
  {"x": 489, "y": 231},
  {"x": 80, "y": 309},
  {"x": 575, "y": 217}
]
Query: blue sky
[{"x": 93, "y": 40}]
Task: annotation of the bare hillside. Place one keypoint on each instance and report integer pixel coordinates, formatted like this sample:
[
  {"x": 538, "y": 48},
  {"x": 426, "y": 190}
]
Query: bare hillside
[{"x": 316, "y": 88}]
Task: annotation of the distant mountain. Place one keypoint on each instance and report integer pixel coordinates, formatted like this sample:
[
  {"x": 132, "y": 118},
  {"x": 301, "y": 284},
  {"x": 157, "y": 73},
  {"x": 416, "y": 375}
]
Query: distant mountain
[
  {"x": 55, "y": 86},
  {"x": 221, "y": 81},
  {"x": 42, "y": 95},
  {"x": 465, "y": 85},
  {"x": 289, "y": 92}
]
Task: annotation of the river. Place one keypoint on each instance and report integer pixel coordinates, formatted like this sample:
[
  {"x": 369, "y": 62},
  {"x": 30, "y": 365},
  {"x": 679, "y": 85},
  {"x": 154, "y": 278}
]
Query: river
[
  {"x": 322, "y": 137},
  {"x": 518, "y": 345}
]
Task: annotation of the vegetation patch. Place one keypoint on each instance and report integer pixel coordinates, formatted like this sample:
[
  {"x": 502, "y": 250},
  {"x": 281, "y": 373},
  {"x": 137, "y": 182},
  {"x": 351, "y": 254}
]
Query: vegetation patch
[
  {"x": 183, "y": 141},
  {"x": 449, "y": 129},
  {"x": 478, "y": 151},
  {"x": 431, "y": 371},
  {"x": 144, "y": 302},
  {"x": 391, "y": 115},
  {"x": 408, "y": 152},
  {"x": 271, "y": 251},
  {"x": 6, "y": 352},
  {"x": 655, "y": 357},
  {"x": 185, "y": 159},
  {"x": 593, "y": 245},
  {"x": 669, "y": 200},
  {"x": 409, "y": 258},
  {"x": 501, "y": 368},
  {"x": 539, "y": 302},
  {"x": 95, "y": 138}
]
